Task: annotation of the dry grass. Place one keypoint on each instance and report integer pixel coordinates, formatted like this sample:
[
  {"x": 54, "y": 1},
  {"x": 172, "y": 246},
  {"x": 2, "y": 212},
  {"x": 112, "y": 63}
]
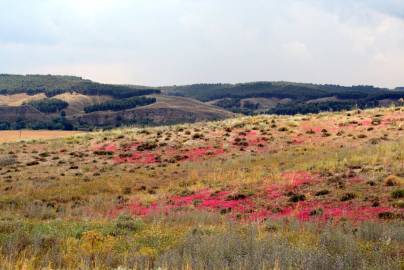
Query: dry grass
[
  {"x": 63, "y": 205},
  {"x": 19, "y": 99}
]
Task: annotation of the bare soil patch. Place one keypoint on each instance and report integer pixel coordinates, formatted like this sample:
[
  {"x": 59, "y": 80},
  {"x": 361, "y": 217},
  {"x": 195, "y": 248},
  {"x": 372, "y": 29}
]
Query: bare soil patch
[{"x": 17, "y": 135}]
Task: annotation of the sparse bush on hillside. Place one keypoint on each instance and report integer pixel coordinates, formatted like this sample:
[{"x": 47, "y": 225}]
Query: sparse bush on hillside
[{"x": 120, "y": 104}]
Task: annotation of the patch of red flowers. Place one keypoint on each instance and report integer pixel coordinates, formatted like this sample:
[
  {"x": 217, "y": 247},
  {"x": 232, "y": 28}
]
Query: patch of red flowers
[
  {"x": 200, "y": 152},
  {"x": 245, "y": 208},
  {"x": 107, "y": 147},
  {"x": 212, "y": 201}
]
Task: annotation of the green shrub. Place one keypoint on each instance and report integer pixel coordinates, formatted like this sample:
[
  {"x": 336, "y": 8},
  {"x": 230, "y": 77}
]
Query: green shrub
[
  {"x": 49, "y": 105},
  {"x": 397, "y": 194}
]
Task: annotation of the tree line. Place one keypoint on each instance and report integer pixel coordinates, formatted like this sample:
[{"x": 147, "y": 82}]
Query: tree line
[{"x": 120, "y": 104}]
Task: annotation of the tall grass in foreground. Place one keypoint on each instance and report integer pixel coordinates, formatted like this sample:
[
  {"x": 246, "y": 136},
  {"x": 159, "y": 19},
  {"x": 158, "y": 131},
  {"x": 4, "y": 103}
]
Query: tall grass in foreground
[{"x": 175, "y": 242}]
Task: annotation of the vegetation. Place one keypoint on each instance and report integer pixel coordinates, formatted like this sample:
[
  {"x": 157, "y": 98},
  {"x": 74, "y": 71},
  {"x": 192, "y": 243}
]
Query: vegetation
[
  {"x": 53, "y": 85},
  {"x": 54, "y": 123},
  {"x": 120, "y": 104},
  {"x": 49, "y": 105},
  {"x": 259, "y": 192},
  {"x": 229, "y": 96},
  {"x": 81, "y": 97}
]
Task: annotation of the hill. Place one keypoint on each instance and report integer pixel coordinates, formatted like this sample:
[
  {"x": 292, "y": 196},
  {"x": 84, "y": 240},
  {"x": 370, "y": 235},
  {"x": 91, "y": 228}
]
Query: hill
[
  {"x": 320, "y": 191},
  {"x": 68, "y": 102},
  {"x": 286, "y": 97}
]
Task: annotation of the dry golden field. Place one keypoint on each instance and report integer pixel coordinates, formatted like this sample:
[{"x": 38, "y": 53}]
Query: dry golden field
[{"x": 19, "y": 135}]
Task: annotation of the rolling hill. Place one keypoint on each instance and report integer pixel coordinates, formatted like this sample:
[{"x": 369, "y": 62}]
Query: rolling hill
[
  {"x": 68, "y": 102},
  {"x": 287, "y": 97}
]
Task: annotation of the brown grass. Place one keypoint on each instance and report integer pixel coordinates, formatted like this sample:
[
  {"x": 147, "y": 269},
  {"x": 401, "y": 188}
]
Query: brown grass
[{"x": 19, "y": 99}]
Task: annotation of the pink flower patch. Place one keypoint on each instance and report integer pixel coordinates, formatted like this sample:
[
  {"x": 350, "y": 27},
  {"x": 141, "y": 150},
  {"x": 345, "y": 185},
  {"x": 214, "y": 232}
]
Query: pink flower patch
[
  {"x": 107, "y": 147},
  {"x": 313, "y": 210}
]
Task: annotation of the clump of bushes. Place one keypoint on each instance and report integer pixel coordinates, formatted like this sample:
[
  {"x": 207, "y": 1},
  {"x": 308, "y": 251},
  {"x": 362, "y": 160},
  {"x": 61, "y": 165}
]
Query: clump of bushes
[
  {"x": 103, "y": 153},
  {"x": 297, "y": 198},
  {"x": 398, "y": 194},
  {"x": 348, "y": 196},
  {"x": 147, "y": 146},
  {"x": 391, "y": 180},
  {"x": 49, "y": 105},
  {"x": 386, "y": 215},
  {"x": 197, "y": 136},
  {"x": 120, "y": 104},
  {"x": 126, "y": 224},
  {"x": 322, "y": 192}
]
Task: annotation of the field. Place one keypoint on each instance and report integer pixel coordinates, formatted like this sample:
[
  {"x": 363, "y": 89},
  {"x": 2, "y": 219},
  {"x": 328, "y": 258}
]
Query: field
[
  {"x": 19, "y": 135},
  {"x": 319, "y": 191}
]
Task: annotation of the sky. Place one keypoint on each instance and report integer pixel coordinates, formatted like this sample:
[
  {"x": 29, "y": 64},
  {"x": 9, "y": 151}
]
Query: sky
[{"x": 167, "y": 42}]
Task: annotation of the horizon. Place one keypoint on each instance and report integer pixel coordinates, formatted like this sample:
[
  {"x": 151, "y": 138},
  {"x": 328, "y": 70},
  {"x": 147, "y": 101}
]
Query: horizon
[
  {"x": 178, "y": 42},
  {"x": 196, "y": 83}
]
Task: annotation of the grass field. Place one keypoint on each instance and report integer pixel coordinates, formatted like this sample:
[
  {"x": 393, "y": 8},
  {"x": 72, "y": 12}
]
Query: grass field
[
  {"x": 18, "y": 135},
  {"x": 321, "y": 191}
]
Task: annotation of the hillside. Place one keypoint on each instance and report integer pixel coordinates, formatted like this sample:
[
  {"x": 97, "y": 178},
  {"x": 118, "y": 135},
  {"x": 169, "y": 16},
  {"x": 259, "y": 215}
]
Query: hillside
[
  {"x": 321, "y": 191},
  {"x": 166, "y": 110},
  {"x": 286, "y": 97},
  {"x": 68, "y": 102}
]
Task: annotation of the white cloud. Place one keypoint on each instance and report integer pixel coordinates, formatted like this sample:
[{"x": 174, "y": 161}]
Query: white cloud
[{"x": 185, "y": 41}]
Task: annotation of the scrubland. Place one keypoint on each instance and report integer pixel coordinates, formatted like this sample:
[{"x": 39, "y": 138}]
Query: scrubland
[{"x": 321, "y": 191}]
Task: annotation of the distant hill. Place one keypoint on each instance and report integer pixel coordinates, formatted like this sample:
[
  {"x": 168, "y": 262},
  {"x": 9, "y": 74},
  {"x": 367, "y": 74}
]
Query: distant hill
[
  {"x": 69, "y": 102},
  {"x": 52, "y": 85},
  {"x": 286, "y": 97}
]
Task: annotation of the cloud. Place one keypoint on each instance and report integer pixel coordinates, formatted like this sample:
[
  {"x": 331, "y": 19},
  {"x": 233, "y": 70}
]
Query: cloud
[{"x": 187, "y": 41}]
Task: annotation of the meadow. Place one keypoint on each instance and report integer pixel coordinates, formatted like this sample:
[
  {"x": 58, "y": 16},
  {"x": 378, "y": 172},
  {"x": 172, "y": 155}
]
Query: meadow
[{"x": 318, "y": 191}]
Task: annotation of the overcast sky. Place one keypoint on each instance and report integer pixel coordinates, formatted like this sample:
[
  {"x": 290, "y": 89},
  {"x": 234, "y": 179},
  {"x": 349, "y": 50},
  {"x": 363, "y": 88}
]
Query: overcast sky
[{"x": 161, "y": 42}]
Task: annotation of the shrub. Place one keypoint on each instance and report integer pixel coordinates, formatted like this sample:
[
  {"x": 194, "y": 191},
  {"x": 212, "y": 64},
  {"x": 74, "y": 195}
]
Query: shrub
[
  {"x": 49, "y": 105},
  {"x": 398, "y": 194},
  {"x": 348, "y": 197},
  {"x": 391, "y": 180},
  {"x": 125, "y": 223},
  {"x": 120, "y": 104},
  {"x": 103, "y": 153},
  {"x": 322, "y": 192},
  {"x": 147, "y": 146},
  {"x": 386, "y": 215},
  {"x": 197, "y": 136},
  {"x": 297, "y": 198}
]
